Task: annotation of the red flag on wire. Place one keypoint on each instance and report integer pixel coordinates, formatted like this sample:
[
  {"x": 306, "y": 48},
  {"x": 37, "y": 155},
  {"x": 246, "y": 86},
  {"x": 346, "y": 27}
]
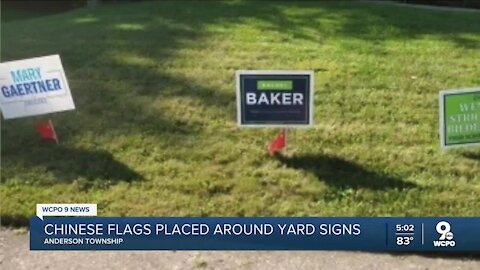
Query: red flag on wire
[
  {"x": 278, "y": 144},
  {"x": 47, "y": 131}
]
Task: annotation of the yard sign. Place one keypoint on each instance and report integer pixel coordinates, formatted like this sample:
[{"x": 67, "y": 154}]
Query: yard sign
[
  {"x": 274, "y": 98},
  {"x": 34, "y": 86},
  {"x": 459, "y": 117}
]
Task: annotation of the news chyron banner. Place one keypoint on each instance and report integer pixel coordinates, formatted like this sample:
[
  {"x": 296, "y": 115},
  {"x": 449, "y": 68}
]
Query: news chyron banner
[
  {"x": 34, "y": 86},
  {"x": 89, "y": 232}
]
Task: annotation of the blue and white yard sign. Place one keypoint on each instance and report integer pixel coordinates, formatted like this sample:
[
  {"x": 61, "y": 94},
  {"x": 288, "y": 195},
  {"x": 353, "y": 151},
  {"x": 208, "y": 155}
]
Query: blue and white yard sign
[
  {"x": 274, "y": 98},
  {"x": 34, "y": 86}
]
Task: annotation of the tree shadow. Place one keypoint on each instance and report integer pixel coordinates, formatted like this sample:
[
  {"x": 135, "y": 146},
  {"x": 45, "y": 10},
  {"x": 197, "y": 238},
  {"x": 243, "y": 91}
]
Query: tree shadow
[
  {"x": 68, "y": 164},
  {"x": 343, "y": 174},
  {"x": 375, "y": 23},
  {"x": 155, "y": 31}
]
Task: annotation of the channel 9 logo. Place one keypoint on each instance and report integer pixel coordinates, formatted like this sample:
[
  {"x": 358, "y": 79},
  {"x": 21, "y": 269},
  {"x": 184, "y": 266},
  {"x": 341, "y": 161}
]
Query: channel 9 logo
[{"x": 446, "y": 235}]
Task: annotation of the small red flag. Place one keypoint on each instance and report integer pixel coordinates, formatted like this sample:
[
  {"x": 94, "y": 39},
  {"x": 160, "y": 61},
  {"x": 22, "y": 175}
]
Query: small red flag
[
  {"x": 47, "y": 131},
  {"x": 278, "y": 144}
]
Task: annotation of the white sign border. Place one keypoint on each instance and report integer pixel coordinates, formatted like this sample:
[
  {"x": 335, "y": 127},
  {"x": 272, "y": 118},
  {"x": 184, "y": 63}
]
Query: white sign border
[
  {"x": 67, "y": 94},
  {"x": 275, "y": 72},
  {"x": 441, "y": 96}
]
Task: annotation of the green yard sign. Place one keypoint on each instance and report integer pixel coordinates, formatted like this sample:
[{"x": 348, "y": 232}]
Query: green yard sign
[{"x": 459, "y": 117}]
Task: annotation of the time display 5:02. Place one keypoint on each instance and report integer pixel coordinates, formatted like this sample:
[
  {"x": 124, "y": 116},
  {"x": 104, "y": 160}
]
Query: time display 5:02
[{"x": 405, "y": 227}]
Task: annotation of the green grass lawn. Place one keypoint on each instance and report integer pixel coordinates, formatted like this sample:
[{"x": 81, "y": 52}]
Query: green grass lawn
[
  {"x": 154, "y": 132},
  {"x": 8, "y": 14}
]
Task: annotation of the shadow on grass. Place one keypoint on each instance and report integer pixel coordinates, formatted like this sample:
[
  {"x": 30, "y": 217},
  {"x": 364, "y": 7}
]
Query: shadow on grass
[
  {"x": 88, "y": 164},
  {"x": 475, "y": 156},
  {"x": 376, "y": 23},
  {"x": 88, "y": 168},
  {"x": 14, "y": 221},
  {"x": 68, "y": 164},
  {"x": 343, "y": 174}
]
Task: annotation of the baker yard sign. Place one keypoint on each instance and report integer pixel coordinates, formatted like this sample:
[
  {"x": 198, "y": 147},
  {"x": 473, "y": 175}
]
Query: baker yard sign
[
  {"x": 459, "y": 117},
  {"x": 34, "y": 86},
  {"x": 274, "y": 98}
]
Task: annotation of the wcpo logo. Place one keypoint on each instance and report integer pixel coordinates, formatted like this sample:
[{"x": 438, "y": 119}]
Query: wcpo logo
[{"x": 446, "y": 236}]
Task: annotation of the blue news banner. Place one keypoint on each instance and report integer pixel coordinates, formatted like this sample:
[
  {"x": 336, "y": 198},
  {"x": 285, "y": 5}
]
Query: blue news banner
[{"x": 262, "y": 233}]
